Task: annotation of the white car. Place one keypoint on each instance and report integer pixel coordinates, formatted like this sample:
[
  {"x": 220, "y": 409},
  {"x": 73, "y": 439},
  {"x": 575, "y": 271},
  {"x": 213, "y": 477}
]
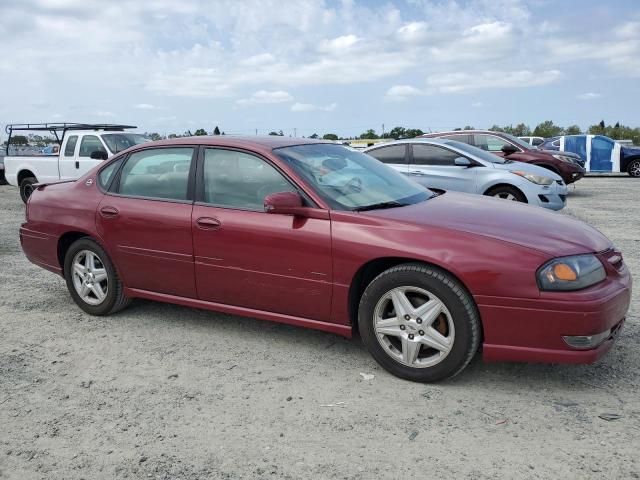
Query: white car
[
  {"x": 82, "y": 147},
  {"x": 451, "y": 165},
  {"x": 533, "y": 141}
]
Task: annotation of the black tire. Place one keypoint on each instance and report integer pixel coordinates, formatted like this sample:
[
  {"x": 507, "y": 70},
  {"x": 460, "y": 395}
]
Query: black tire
[
  {"x": 3, "y": 180},
  {"x": 504, "y": 191},
  {"x": 634, "y": 169},
  {"x": 115, "y": 299},
  {"x": 459, "y": 303},
  {"x": 26, "y": 188}
]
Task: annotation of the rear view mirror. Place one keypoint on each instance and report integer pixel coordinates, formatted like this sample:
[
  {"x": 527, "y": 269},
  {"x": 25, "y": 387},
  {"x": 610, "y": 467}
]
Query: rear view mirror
[
  {"x": 99, "y": 155},
  {"x": 287, "y": 203},
  {"x": 462, "y": 162},
  {"x": 508, "y": 149}
]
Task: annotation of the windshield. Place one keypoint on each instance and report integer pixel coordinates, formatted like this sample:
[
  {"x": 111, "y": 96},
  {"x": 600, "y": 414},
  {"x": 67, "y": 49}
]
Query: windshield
[
  {"x": 121, "y": 141},
  {"x": 477, "y": 152},
  {"x": 517, "y": 141},
  {"x": 349, "y": 180}
]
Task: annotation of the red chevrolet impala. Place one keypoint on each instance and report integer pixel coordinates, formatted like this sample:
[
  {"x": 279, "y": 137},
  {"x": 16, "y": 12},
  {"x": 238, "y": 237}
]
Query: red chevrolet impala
[{"x": 313, "y": 234}]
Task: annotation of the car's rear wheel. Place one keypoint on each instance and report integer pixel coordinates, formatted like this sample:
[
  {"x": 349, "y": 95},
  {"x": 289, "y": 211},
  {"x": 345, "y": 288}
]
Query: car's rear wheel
[
  {"x": 419, "y": 323},
  {"x": 92, "y": 280},
  {"x": 26, "y": 187},
  {"x": 507, "y": 192},
  {"x": 634, "y": 168}
]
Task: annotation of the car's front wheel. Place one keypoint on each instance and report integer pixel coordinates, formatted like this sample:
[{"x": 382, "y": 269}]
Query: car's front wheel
[
  {"x": 507, "y": 192},
  {"x": 634, "y": 168},
  {"x": 419, "y": 323},
  {"x": 92, "y": 279}
]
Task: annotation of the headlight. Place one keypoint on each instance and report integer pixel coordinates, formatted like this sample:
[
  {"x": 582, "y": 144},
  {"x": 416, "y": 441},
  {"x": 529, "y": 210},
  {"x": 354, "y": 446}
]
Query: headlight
[
  {"x": 564, "y": 158},
  {"x": 571, "y": 273},
  {"x": 538, "y": 179}
]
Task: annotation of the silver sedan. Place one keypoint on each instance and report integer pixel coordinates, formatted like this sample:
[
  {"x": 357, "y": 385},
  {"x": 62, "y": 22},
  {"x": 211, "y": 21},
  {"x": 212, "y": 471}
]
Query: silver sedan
[{"x": 451, "y": 165}]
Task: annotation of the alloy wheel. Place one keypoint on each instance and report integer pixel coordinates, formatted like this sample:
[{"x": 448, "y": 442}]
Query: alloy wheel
[
  {"x": 90, "y": 277},
  {"x": 506, "y": 196},
  {"x": 414, "y": 327}
]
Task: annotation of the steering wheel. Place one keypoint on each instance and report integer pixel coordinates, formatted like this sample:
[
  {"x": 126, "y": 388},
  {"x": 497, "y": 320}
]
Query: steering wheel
[{"x": 354, "y": 184}]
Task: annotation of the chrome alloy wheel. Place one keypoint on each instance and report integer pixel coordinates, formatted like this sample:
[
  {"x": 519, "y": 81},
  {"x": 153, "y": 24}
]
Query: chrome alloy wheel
[
  {"x": 90, "y": 277},
  {"x": 505, "y": 196},
  {"x": 634, "y": 169},
  {"x": 414, "y": 327}
]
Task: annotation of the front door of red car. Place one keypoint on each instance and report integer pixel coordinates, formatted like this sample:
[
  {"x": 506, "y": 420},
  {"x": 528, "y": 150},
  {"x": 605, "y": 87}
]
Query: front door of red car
[
  {"x": 246, "y": 257},
  {"x": 145, "y": 221}
]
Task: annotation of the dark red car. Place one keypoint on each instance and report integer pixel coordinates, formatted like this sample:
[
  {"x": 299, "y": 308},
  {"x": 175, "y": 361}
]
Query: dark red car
[
  {"x": 506, "y": 145},
  {"x": 314, "y": 234}
]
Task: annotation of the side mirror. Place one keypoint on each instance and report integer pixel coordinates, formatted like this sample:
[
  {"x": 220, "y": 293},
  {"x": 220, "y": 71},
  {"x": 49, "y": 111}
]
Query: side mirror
[
  {"x": 99, "y": 155},
  {"x": 462, "y": 162},
  {"x": 284, "y": 203},
  {"x": 508, "y": 149}
]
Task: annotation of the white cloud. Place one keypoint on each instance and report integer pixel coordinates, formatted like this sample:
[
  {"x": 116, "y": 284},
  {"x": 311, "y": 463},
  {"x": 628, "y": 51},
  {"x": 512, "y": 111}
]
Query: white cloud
[
  {"x": 103, "y": 113},
  {"x": 466, "y": 82},
  {"x": 264, "y": 96},
  {"x": 401, "y": 92},
  {"x": 477, "y": 104},
  {"x": 589, "y": 96},
  {"x": 309, "y": 107},
  {"x": 144, "y": 106},
  {"x": 339, "y": 44}
]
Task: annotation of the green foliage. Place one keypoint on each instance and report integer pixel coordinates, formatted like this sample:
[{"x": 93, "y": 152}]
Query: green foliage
[
  {"x": 547, "y": 129},
  {"x": 572, "y": 130},
  {"x": 315, "y": 135},
  {"x": 369, "y": 134},
  {"x": 155, "y": 136},
  {"x": 216, "y": 131},
  {"x": 200, "y": 132},
  {"x": 19, "y": 140},
  {"x": 330, "y": 136}
]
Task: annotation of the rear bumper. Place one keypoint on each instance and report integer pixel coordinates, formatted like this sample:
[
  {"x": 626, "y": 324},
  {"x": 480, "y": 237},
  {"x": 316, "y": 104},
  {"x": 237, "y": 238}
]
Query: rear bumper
[
  {"x": 532, "y": 330},
  {"x": 40, "y": 248}
]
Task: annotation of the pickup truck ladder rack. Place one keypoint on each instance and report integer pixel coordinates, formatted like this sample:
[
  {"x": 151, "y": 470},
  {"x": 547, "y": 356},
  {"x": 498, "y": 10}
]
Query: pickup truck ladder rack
[{"x": 61, "y": 127}]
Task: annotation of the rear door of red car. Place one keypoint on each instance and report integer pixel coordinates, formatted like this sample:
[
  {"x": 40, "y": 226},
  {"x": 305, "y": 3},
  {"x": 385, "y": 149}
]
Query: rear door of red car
[
  {"x": 249, "y": 258},
  {"x": 145, "y": 220}
]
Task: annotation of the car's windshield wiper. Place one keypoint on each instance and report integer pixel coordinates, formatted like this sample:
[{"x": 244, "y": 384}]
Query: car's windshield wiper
[{"x": 380, "y": 206}]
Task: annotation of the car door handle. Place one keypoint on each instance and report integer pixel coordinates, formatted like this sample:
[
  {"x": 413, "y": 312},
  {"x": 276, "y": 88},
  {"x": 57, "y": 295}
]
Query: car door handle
[
  {"x": 109, "y": 212},
  {"x": 416, "y": 172},
  {"x": 208, "y": 223}
]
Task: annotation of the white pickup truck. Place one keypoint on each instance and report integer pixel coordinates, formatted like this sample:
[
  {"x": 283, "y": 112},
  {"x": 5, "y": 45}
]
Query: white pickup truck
[{"x": 82, "y": 147}]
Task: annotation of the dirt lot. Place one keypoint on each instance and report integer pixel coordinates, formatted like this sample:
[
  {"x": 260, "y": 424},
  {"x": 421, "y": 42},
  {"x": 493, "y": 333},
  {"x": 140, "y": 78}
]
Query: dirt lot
[{"x": 167, "y": 392}]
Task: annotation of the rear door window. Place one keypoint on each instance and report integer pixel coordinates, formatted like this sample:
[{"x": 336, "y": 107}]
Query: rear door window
[
  {"x": 70, "y": 147},
  {"x": 433, "y": 156},
  {"x": 157, "y": 173},
  {"x": 464, "y": 138},
  {"x": 395, "y": 154},
  {"x": 490, "y": 143}
]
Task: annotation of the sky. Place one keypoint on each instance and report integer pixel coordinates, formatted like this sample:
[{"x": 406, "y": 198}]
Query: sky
[{"x": 314, "y": 66}]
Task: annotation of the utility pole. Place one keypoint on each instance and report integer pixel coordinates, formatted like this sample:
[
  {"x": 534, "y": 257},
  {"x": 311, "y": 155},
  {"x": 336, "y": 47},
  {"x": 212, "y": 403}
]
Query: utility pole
[
  {"x": 295, "y": 132},
  {"x": 383, "y": 130},
  {"x": 256, "y": 132}
]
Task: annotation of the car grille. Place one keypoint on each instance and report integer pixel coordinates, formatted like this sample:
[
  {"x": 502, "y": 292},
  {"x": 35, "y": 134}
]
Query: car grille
[
  {"x": 563, "y": 197},
  {"x": 559, "y": 182}
]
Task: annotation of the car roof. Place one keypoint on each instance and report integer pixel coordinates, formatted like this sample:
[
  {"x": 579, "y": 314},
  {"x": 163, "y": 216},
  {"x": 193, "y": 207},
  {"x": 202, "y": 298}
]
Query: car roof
[
  {"x": 261, "y": 142},
  {"x": 434, "y": 141},
  {"x": 460, "y": 132}
]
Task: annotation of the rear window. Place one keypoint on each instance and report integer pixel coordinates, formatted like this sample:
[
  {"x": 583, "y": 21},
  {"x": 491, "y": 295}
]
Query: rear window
[{"x": 70, "y": 147}]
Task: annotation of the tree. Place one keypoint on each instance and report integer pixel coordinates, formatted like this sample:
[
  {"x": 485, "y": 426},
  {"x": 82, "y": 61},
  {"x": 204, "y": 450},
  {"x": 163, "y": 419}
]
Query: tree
[
  {"x": 413, "y": 132},
  {"x": 330, "y": 136},
  {"x": 521, "y": 130},
  {"x": 200, "y": 132},
  {"x": 496, "y": 128},
  {"x": 315, "y": 135},
  {"x": 216, "y": 131},
  {"x": 155, "y": 136},
  {"x": 275, "y": 134},
  {"x": 398, "y": 132},
  {"x": 572, "y": 130},
  {"x": 468, "y": 127},
  {"x": 547, "y": 129},
  {"x": 369, "y": 135},
  {"x": 173, "y": 135},
  {"x": 602, "y": 124}
]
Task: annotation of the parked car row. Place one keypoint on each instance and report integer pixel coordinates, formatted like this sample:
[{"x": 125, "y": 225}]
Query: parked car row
[{"x": 313, "y": 234}]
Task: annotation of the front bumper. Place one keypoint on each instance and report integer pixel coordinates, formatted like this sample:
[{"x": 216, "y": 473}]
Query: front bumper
[
  {"x": 553, "y": 197},
  {"x": 534, "y": 330}
]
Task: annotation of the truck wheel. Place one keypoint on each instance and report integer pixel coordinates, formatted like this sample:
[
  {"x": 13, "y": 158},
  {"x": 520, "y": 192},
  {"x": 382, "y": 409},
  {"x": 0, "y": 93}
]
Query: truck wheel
[
  {"x": 634, "y": 168},
  {"x": 3, "y": 180},
  {"x": 26, "y": 188}
]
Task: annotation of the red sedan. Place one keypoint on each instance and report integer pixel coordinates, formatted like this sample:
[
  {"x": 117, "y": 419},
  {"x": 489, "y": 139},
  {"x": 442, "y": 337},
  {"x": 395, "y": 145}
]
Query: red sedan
[{"x": 314, "y": 234}]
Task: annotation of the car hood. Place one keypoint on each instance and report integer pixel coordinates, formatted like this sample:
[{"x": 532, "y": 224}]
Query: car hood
[
  {"x": 630, "y": 151},
  {"x": 529, "y": 168},
  {"x": 525, "y": 225},
  {"x": 558, "y": 152}
]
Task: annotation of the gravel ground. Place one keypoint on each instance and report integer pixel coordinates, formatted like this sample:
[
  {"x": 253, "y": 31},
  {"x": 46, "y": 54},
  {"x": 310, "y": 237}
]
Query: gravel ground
[{"x": 161, "y": 391}]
